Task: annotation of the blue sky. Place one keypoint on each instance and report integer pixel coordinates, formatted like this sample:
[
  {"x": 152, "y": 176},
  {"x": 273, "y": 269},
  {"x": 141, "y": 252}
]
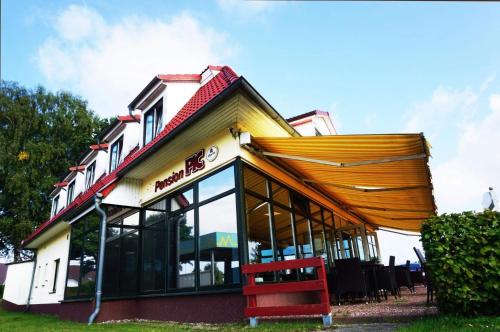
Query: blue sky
[{"x": 376, "y": 67}]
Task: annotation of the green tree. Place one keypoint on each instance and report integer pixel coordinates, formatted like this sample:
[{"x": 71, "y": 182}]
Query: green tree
[{"x": 41, "y": 135}]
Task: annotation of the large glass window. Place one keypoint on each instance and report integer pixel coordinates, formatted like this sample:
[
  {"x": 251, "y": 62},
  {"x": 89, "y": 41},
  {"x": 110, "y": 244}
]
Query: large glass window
[
  {"x": 153, "y": 122},
  {"x": 182, "y": 258},
  {"x": 218, "y": 242},
  {"x": 153, "y": 251},
  {"x": 115, "y": 154},
  {"x": 82, "y": 263},
  {"x": 122, "y": 251},
  {"x": 282, "y": 225}
]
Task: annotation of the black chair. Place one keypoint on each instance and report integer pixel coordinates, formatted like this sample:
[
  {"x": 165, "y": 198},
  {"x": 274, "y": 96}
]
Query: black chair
[
  {"x": 403, "y": 277},
  {"x": 348, "y": 279},
  {"x": 428, "y": 281},
  {"x": 386, "y": 277}
]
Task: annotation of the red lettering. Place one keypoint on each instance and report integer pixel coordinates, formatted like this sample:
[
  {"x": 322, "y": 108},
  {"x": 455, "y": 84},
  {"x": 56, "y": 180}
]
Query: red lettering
[{"x": 195, "y": 162}]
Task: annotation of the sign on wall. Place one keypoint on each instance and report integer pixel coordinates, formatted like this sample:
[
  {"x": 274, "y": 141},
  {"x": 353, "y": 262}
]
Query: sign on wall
[{"x": 192, "y": 164}]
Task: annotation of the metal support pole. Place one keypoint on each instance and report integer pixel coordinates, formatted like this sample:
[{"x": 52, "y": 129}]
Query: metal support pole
[{"x": 100, "y": 259}]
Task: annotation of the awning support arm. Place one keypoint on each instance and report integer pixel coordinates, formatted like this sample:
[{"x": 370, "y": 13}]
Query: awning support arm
[
  {"x": 358, "y": 188},
  {"x": 340, "y": 164}
]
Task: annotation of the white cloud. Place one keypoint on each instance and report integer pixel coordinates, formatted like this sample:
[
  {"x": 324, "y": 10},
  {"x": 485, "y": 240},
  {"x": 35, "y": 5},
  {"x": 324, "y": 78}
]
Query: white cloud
[
  {"x": 109, "y": 63},
  {"x": 461, "y": 180},
  {"x": 432, "y": 115},
  {"x": 451, "y": 121}
]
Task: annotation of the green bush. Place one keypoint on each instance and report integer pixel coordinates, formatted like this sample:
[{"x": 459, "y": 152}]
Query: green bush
[
  {"x": 1, "y": 291},
  {"x": 463, "y": 261}
]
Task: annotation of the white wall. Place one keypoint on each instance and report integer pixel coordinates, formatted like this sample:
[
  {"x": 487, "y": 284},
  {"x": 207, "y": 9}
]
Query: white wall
[
  {"x": 176, "y": 96},
  {"x": 17, "y": 283},
  {"x": 56, "y": 248}
]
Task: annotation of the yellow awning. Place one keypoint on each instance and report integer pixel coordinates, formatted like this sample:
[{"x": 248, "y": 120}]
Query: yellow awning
[{"x": 385, "y": 179}]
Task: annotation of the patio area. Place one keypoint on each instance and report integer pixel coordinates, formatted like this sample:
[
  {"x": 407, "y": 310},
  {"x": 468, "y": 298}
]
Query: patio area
[{"x": 403, "y": 309}]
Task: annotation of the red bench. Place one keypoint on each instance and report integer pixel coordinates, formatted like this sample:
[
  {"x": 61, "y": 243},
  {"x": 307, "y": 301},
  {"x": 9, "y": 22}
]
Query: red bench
[{"x": 319, "y": 286}]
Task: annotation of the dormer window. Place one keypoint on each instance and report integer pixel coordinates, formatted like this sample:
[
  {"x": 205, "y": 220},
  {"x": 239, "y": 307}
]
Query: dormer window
[
  {"x": 153, "y": 122},
  {"x": 116, "y": 151},
  {"x": 89, "y": 176},
  {"x": 71, "y": 191},
  {"x": 55, "y": 205}
]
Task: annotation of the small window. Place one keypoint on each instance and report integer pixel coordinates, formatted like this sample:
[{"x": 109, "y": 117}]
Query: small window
[
  {"x": 116, "y": 152},
  {"x": 56, "y": 273},
  {"x": 89, "y": 176},
  {"x": 153, "y": 122},
  {"x": 55, "y": 205},
  {"x": 71, "y": 191}
]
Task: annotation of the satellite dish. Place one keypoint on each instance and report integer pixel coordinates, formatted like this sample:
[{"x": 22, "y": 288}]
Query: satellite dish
[{"x": 490, "y": 201}]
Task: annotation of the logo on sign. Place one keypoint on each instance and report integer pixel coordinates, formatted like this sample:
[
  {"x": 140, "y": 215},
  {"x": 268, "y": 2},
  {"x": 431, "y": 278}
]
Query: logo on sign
[
  {"x": 192, "y": 165},
  {"x": 212, "y": 153}
]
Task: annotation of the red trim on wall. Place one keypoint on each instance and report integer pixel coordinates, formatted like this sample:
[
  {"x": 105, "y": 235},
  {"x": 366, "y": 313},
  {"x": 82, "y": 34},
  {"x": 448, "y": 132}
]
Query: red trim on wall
[
  {"x": 305, "y": 115},
  {"x": 180, "y": 77},
  {"x": 61, "y": 184},
  {"x": 102, "y": 146},
  {"x": 202, "y": 308},
  {"x": 77, "y": 168},
  {"x": 129, "y": 118}
]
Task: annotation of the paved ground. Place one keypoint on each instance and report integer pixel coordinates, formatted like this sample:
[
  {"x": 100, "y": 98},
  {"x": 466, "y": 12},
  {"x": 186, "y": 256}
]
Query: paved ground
[{"x": 388, "y": 315}]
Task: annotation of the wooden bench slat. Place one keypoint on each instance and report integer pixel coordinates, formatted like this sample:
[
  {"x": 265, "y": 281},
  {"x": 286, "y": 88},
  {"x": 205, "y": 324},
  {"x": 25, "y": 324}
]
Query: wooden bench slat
[{"x": 285, "y": 287}]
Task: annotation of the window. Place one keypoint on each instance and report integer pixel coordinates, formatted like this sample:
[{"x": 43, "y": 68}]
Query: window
[
  {"x": 82, "y": 263},
  {"x": 153, "y": 122},
  {"x": 89, "y": 176},
  {"x": 56, "y": 274},
  {"x": 55, "y": 205},
  {"x": 182, "y": 254},
  {"x": 218, "y": 242},
  {"x": 116, "y": 153},
  {"x": 283, "y": 225},
  {"x": 71, "y": 190},
  {"x": 122, "y": 251}
]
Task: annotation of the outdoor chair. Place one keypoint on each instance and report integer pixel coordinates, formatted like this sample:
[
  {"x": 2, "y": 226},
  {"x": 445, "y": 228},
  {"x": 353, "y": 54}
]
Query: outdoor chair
[
  {"x": 349, "y": 279},
  {"x": 403, "y": 277},
  {"x": 386, "y": 278},
  {"x": 430, "y": 287}
]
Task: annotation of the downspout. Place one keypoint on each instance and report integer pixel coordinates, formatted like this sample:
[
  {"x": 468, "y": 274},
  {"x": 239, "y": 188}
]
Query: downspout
[
  {"x": 28, "y": 304},
  {"x": 100, "y": 267}
]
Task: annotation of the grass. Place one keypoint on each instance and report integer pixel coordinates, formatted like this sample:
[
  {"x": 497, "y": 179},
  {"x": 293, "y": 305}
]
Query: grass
[
  {"x": 27, "y": 322},
  {"x": 453, "y": 323}
]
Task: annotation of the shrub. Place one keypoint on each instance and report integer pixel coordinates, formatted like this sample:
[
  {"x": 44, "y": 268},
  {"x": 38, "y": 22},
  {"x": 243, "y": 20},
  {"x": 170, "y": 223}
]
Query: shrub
[
  {"x": 463, "y": 261},
  {"x": 1, "y": 291}
]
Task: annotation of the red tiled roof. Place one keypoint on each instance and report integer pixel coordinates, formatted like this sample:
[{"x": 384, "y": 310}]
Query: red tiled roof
[{"x": 202, "y": 96}]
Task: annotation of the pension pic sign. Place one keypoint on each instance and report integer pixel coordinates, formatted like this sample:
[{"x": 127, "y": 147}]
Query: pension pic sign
[{"x": 192, "y": 164}]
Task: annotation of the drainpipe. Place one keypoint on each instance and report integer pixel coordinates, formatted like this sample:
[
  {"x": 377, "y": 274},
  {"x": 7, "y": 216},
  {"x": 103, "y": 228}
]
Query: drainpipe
[
  {"x": 100, "y": 260},
  {"x": 28, "y": 304}
]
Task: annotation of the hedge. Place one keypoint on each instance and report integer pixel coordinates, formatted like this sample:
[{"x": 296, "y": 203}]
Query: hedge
[{"x": 463, "y": 261}]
